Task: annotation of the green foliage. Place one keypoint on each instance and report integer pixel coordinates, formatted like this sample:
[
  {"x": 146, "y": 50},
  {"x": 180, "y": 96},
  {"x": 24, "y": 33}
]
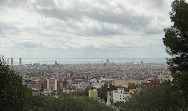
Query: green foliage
[
  {"x": 78, "y": 94},
  {"x": 161, "y": 98},
  {"x": 68, "y": 103},
  {"x": 176, "y": 41},
  {"x": 13, "y": 95},
  {"x": 103, "y": 90},
  {"x": 132, "y": 86}
]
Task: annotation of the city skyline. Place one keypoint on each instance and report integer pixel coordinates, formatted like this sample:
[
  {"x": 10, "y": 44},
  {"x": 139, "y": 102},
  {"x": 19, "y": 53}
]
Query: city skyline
[{"x": 58, "y": 61}]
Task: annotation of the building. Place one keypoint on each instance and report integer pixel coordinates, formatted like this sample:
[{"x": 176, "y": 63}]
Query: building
[
  {"x": 119, "y": 95},
  {"x": 150, "y": 82},
  {"x": 56, "y": 64},
  {"x": 20, "y": 61},
  {"x": 75, "y": 80},
  {"x": 93, "y": 80},
  {"x": 107, "y": 61},
  {"x": 97, "y": 85},
  {"x": 36, "y": 86},
  {"x": 12, "y": 62},
  {"x": 165, "y": 78},
  {"x": 121, "y": 82},
  {"x": 142, "y": 63},
  {"x": 50, "y": 85},
  {"x": 105, "y": 80},
  {"x": 135, "y": 81},
  {"x": 93, "y": 93}
]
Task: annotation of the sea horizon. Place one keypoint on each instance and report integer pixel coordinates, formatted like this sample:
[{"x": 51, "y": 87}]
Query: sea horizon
[{"x": 51, "y": 61}]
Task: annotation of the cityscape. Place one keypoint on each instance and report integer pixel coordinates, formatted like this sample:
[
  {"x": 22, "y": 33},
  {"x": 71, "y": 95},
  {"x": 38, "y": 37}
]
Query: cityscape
[
  {"x": 94, "y": 55},
  {"x": 46, "y": 79}
]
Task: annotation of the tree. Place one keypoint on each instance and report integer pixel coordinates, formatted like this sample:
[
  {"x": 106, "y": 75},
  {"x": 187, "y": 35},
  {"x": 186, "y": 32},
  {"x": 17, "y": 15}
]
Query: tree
[
  {"x": 176, "y": 42},
  {"x": 161, "y": 98},
  {"x": 103, "y": 90},
  {"x": 13, "y": 95},
  {"x": 67, "y": 103},
  {"x": 132, "y": 86}
]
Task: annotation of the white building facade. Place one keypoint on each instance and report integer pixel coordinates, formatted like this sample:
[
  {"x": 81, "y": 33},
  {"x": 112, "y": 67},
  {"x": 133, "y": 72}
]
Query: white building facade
[{"x": 119, "y": 95}]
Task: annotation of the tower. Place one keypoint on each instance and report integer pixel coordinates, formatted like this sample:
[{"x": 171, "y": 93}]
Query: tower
[
  {"x": 11, "y": 61},
  {"x": 142, "y": 63},
  {"x": 56, "y": 63},
  {"x": 20, "y": 61},
  {"x": 108, "y": 96},
  {"x": 107, "y": 61}
]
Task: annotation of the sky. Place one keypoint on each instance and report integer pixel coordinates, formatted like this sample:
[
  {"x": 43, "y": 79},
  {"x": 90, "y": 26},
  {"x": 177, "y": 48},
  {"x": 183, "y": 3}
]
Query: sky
[{"x": 83, "y": 28}]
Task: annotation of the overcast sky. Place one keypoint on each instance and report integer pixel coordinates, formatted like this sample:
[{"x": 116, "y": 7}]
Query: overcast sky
[{"x": 83, "y": 28}]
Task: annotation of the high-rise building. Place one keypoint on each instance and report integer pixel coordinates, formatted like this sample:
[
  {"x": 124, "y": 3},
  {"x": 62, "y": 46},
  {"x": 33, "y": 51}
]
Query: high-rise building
[
  {"x": 142, "y": 63},
  {"x": 56, "y": 63},
  {"x": 20, "y": 61},
  {"x": 107, "y": 61},
  {"x": 12, "y": 62}
]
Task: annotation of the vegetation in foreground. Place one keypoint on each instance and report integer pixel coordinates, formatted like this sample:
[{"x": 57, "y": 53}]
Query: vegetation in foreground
[{"x": 164, "y": 97}]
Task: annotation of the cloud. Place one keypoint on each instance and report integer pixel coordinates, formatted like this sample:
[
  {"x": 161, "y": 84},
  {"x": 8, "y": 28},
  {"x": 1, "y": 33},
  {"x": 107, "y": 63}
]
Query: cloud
[
  {"x": 125, "y": 17},
  {"x": 7, "y": 30},
  {"x": 77, "y": 28},
  {"x": 30, "y": 45}
]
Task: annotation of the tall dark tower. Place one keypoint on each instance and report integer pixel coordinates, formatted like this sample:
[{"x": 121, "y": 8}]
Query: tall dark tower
[
  {"x": 142, "y": 63},
  {"x": 56, "y": 63},
  {"x": 20, "y": 61},
  {"x": 11, "y": 62},
  {"x": 107, "y": 61}
]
